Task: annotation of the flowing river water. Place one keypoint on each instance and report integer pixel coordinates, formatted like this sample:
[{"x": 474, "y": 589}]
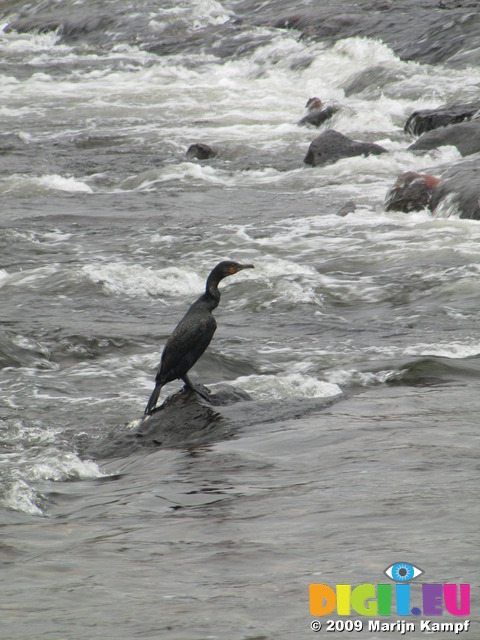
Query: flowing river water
[{"x": 357, "y": 336}]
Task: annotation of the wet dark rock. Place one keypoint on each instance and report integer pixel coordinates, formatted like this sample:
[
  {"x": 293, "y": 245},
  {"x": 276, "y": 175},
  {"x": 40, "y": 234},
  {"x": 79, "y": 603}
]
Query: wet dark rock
[
  {"x": 332, "y": 145},
  {"x": 200, "y": 151},
  {"x": 465, "y": 136},
  {"x": 411, "y": 192},
  {"x": 456, "y": 193},
  {"x": 373, "y": 80},
  {"x": 428, "y": 119},
  {"x": 186, "y": 417}
]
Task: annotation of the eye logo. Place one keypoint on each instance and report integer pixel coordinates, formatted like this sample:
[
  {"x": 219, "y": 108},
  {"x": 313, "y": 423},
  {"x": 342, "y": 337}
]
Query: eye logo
[{"x": 403, "y": 572}]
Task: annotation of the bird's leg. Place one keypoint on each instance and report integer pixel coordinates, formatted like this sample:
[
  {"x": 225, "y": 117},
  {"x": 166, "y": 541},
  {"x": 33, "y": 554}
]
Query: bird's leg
[
  {"x": 188, "y": 382},
  {"x": 197, "y": 388}
]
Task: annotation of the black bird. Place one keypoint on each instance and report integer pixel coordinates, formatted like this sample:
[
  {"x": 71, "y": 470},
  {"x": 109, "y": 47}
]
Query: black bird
[{"x": 193, "y": 334}]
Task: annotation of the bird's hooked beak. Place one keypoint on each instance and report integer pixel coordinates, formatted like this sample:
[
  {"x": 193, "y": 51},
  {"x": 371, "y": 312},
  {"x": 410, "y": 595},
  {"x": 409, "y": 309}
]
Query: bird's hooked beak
[{"x": 240, "y": 267}]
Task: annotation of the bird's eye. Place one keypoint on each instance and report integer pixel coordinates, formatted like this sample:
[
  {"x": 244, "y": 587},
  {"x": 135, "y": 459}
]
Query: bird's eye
[
  {"x": 403, "y": 572},
  {"x": 232, "y": 270}
]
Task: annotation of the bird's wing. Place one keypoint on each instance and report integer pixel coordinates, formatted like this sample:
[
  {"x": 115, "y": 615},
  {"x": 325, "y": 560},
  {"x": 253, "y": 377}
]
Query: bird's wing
[{"x": 185, "y": 345}]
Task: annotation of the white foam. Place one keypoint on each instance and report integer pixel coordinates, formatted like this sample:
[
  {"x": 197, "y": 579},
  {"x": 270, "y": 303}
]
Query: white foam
[
  {"x": 32, "y": 277},
  {"x": 377, "y": 173},
  {"x": 347, "y": 377},
  {"x": 52, "y": 182},
  {"x": 20, "y": 433},
  {"x": 63, "y": 466},
  {"x": 296, "y": 293},
  {"x": 197, "y": 15},
  {"x": 19, "y": 496},
  {"x": 59, "y": 183},
  {"x": 55, "y": 236},
  {"x": 364, "y": 52},
  {"x": 208, "y": 12},
  {"x": 12, "y": 42},
  {"x": 165, "y": 95},
  {"x": 268, "y": 387},
  {"x": 120, "y": 278},
  {"x": 183, "y": 172},
  {"x": 454, "y": 350},
  {"x": 276, "y": 266},
  {"x": 30, "y": 345},
  {"x": 46, "y": 464},
  {"x": 448, "y": 207}
]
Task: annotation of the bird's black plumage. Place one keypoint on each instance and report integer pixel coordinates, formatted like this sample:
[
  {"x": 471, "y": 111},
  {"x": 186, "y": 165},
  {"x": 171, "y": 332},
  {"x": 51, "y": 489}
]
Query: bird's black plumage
[{"x": 193, "y": 333}]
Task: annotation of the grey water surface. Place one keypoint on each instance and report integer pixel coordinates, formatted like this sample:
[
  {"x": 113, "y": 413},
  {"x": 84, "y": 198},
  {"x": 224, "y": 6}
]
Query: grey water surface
[{"x": 356, "y": 337}]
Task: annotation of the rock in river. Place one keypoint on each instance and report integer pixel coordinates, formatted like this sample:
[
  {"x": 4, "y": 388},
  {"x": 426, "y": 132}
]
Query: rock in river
[{"x": 332, "y": 145}]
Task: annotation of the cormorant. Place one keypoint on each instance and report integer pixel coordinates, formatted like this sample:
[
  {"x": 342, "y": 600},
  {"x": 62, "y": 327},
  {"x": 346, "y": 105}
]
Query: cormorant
[{"x": 193, "y": 334}]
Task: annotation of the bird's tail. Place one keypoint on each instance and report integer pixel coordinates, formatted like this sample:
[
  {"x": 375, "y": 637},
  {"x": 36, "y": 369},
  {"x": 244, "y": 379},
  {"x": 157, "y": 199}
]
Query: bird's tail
[{"x": 153, "y": 400}]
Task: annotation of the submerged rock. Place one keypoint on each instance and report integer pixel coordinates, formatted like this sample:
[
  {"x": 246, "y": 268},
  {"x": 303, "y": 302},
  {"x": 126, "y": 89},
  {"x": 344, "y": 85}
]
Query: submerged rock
[
  {"x": 185, "y": 419},
  {"x": 373, "y": 80},
  {"x": 465, "y": 136},
  {"x": 331, "y": 146},
  {"x": 428, "y": 119},
  {"x": 411, "y": 192},
  {"x": 348, "y": 207},
  {"x": 200, "y": 151}
]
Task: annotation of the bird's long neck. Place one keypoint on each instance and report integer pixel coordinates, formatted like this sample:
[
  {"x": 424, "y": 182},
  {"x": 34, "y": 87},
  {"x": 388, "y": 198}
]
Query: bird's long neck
[{"x": 212, "y": 293}]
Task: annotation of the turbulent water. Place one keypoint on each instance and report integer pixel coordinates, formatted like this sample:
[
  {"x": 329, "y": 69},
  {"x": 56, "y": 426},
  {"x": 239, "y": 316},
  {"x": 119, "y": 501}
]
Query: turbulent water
[{"x": 357, "y": 336}]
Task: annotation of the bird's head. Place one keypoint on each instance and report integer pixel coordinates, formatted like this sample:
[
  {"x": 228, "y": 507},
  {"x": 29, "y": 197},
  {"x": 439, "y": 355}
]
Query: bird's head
[
  {"x": 228, "y": 268},
  {"x": 224, "y": 269}
]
